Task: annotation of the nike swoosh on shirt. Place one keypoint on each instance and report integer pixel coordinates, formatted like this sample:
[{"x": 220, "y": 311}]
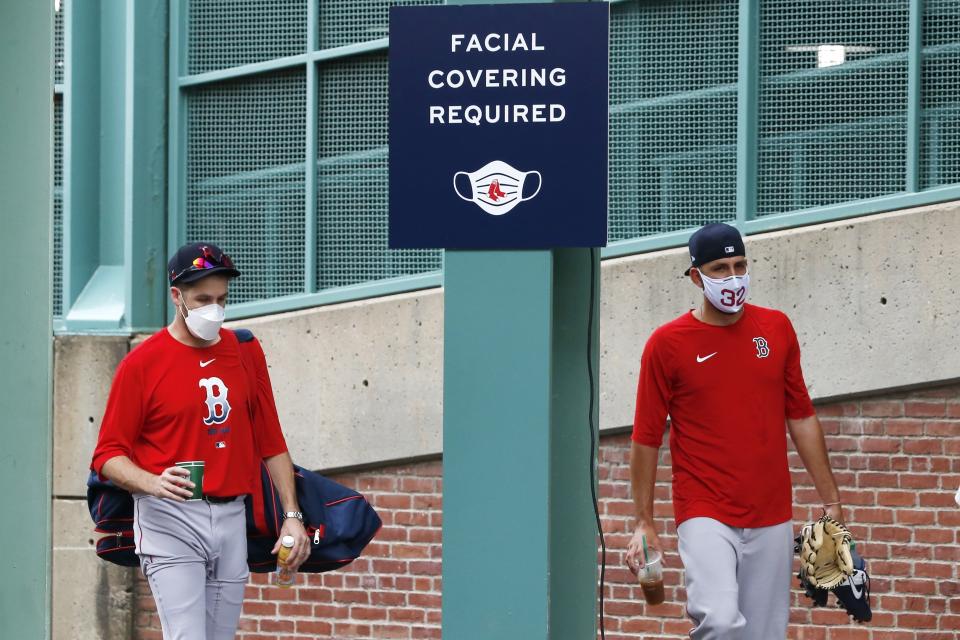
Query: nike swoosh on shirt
[
  {"x": 203, "y": 364},
  {"x": 705, "y": 358}
]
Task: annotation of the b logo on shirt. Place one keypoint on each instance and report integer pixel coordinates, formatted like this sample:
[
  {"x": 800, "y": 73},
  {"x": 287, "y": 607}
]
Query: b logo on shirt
[
  {"x": 763, "y": 349},
  {"x": 217, "y": 404}
]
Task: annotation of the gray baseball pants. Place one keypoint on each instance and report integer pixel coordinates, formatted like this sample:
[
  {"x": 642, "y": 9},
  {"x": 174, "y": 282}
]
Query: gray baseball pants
[
  {"x": 738, "y": 580},
  {"x": 194, "y": 556}
]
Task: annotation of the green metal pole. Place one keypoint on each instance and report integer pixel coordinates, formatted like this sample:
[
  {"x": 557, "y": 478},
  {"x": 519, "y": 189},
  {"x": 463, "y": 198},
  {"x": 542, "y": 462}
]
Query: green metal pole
[
  {"x": 176, "y": 133},
  {"x": 81, "y": 149},
  {"x": 145, "y": 164},
  {"x": 310, "y": 164},
  {"x": 496, "y": 442},
  {"x": 748, "y": 111},
  {"x": 914, "y": 181},
  {"x": 519, "y": 539},
  {"x": 113, "y": 134},
  {"x": 519, "y": 534},
  {"x": 574, "y": 443},
  {"x": 26, "y": 182}
]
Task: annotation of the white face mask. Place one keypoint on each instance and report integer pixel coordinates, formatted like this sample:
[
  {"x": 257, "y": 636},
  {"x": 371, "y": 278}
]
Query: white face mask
[
  {"x": 727, "y": 294},
  {"x": 203, "y": 322},
  {"x": 496, "y": 187}
]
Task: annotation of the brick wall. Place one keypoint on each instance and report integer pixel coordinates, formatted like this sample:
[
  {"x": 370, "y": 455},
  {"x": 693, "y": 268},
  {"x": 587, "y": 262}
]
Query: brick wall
[{"x": 896, "y": 457}]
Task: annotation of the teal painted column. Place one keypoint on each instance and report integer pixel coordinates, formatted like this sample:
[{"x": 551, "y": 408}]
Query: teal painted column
[
  {"x": 81, "y": 148},
  {"x": 519, "y": 536},
  {"x": 115, "y": 167},
  {"x": 748, "y": 112},
  {"x": 26, "y": 249},
  {"x": 145, "y": 165}
]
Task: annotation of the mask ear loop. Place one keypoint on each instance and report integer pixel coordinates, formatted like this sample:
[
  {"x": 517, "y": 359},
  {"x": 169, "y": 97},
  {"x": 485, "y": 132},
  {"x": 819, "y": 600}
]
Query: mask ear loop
[
  {"x": 723, "y": 279},
  {"x": 539, "y": 184},
  {"x": 183, "y": 304},
  {"x": 457, "y": 190},
  {"x": 703, "y": 286}
]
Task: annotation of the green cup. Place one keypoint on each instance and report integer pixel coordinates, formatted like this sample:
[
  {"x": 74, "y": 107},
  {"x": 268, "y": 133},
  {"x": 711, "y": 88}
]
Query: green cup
[{"x": 195, "y": 467}]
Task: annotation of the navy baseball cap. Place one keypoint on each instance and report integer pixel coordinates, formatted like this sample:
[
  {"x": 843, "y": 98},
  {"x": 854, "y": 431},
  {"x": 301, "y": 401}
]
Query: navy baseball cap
[
  {"x": 197, "y": 260},
  {"x": 712, "y": 242}
]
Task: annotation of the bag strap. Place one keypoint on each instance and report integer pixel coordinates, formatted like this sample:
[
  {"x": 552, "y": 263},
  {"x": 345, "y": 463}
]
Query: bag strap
[{"x": 245, "y": 337}]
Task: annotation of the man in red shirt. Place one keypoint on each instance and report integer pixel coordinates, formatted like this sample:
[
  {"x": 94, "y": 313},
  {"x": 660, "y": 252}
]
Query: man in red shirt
[
  {"x": 728, "y": 375},
  {"x": 185, "y": 394}
]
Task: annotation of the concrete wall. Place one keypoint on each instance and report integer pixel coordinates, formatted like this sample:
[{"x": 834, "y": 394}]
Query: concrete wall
[
  {"x": 92, "y": 600},
  {"x": 83, "y": 371},
  {"x": 360, "y": 383},
  {"x": 872, "y": 300}
]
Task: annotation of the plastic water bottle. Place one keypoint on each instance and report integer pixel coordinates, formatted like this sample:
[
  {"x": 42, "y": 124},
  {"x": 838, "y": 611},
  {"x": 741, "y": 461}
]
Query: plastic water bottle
[{"x": 285, "y": 576}]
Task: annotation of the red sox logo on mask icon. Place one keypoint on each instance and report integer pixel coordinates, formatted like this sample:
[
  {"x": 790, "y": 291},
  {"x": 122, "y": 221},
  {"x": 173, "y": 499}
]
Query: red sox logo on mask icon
[
  {"x": 217, "y": 406},
  {"x": 496, "y": 187}
]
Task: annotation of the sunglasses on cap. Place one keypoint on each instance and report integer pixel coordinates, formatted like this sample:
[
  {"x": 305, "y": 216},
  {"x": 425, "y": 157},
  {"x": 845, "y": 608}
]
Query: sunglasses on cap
[{"x": 205, "y": 261}]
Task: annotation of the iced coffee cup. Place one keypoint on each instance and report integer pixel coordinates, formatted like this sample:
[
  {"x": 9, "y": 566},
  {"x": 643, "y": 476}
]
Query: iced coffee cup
[{"x": 650, "y": 576}]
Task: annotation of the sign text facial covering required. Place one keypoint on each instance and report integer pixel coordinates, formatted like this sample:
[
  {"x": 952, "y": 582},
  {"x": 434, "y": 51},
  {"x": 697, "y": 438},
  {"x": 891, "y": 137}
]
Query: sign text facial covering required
[{"x": 507, "y": 106}]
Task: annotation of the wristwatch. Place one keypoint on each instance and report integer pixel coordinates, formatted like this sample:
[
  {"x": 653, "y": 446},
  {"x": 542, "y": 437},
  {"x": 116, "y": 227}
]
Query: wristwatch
[{"x": 293, "y": 514}]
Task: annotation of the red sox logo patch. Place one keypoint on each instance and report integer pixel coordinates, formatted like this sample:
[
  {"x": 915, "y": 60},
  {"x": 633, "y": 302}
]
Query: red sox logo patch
[
  {"x": 218, "y": 409},
  {"x": 763, "y": 349}
]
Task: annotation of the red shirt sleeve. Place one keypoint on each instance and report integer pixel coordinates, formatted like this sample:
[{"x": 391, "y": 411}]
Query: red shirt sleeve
[
  {"x": 122, "y": 418},
  {"x": 653, "y": 394},
  {"x": 269, "y": 436},
  {"x": 797, "y": 400}
]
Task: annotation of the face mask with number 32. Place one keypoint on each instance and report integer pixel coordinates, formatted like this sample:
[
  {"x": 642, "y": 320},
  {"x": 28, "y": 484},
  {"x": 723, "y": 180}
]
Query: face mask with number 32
[{"x": 727, "y": 294}]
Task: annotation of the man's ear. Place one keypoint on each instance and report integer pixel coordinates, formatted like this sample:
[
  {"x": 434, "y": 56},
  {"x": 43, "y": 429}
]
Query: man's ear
[
  {"x": 176, "y": 296},
  {"x": 695, "y": 278}
]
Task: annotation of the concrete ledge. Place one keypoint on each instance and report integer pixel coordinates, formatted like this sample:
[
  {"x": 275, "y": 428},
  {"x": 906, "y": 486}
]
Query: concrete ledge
[
  {"x": 83, "y": 371},
  {"x": 361, "y": 383},
  {"x": 92, "y": 599},
  {"x": 871, "y": 300}
]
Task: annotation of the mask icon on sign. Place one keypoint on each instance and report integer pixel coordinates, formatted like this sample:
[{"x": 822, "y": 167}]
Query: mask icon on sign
[{"x": 496, "y": 187}]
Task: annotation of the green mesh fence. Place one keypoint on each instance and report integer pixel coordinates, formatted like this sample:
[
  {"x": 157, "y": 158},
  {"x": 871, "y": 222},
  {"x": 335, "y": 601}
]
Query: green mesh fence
[
  {"x": 940, "y": 124},
  {"x": 833, "y": 118},
  {"x": 245, "y": 186},
  {"x": 832, "y": 124},
  {"x": 352, "y": 178},
  {"x": 58, "y": 41},
  {"x": 229, "y": 33},
  {"x": 58, "y": 61},
  {"x": 57, "y": 206},
  {"x": 344, "y": 22},
  {"x": 673, "y": 115}
]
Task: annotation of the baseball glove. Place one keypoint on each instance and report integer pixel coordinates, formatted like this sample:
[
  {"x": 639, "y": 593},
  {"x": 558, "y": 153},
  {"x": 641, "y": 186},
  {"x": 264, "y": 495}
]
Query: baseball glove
[
  {"x": 825, "y": 559},
  {"x": 828, "y": 562}
]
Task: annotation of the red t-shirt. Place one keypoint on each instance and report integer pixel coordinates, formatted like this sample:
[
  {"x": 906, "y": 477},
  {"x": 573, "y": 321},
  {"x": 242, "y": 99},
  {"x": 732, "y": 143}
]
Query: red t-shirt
[
  {"x": 728, "y": 392},
  {"x": 174, "y": 403}
]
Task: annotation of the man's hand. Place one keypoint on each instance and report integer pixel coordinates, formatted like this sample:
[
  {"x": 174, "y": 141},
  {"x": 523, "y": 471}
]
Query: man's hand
[
  {"x": 835, "y": 511},
  {"x": 281, "y": 470},
  {"x": 173, "y": 484},
  {"x": 645, "y": 529},
  {"x": 301, "y": 543}
]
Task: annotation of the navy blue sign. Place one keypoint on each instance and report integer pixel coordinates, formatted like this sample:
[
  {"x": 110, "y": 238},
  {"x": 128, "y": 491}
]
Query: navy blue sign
[{"x": 498, "y": 126}]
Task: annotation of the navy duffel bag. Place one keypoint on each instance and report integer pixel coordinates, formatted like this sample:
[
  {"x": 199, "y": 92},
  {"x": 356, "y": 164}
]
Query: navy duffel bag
[{"x": 339, "y": 521}]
